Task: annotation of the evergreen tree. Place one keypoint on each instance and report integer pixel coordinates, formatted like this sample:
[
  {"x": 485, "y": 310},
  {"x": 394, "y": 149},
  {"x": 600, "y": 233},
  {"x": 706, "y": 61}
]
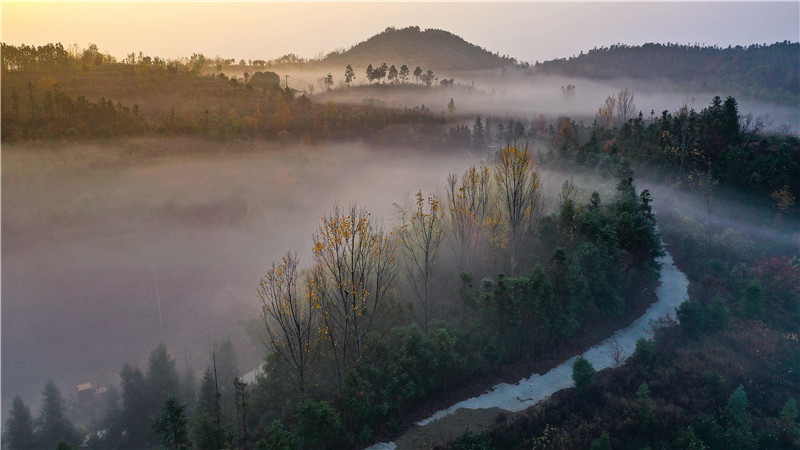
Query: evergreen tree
[
  {"x": 170, "y": 424},
  {"x": 206, "y": 395},
  {"x": 417, "y": 73},
  {"x": 349, "y": 74},
  {"x": 582, "y": 374},
  {"x": 53, "y": 425},
  {"x": 162, "y": 378},
  {"x": 370, "y": 72},
  {"x": 19, "y": 427},
  {"x": 478, "y": 134},
  {"x": 403, "y": 74},
  {"x": 208, "y": 435},
  {"x": 135, "y": 410}
]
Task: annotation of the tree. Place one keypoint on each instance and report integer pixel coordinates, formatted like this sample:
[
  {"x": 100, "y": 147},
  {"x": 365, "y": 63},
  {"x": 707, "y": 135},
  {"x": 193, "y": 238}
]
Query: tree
[
  {"x": 602, "y": 443},
  {"x": 428, "y": 78},
  {"x": 478, "y": 134},
  {"x": 290, "y": 318},
  {"x": 625, "y": 107},
  {"x": 582, "y": 374},
  {"x": 417, "y": 73},
  {"x": 349, "y": 74},
  {"x": 162, "y": 377},
  {"x": 421, "y": 235},
  {"x": 392, "y": 74},
  {"x": 209, "y": 435},
  {"x": 605, "y": 115},
  {"x": 738, "y": 433},
  {"x": 467, "y": 207},
  {"x": 19, "y": 427},
  {"x": 370, "y": 72},
  {"x": 692, "y": 317},
  {"x": 319, "y": 423},
  {"x": 645, "y": 351},
  {"x": 170, "y": 424},
  {"x": 382, "y": 71},
  {"x": 753, "y": 301},
  {"x": 451, "y": 109},
  {"x": 520, "y": 194},
  {"x": 355, "y": 260},
  {"x": 134, "y": 407},
  {"x": 403, "y": 74},
  {"x": 328, "y": 81},
  {"x": 53, "y": 425},
  {"x": 206, "y": 397}
]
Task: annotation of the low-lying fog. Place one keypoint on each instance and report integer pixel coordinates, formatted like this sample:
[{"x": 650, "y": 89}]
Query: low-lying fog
[
  {"x": 529, "y": 96},
  {"x": 95, "y": 235}
]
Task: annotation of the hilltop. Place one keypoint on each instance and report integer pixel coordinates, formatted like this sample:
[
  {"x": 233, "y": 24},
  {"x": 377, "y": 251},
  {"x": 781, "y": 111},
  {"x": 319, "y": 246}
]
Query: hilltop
[
  {"x": 431, "y": 48},
  {"x": 760, "y": 72}
]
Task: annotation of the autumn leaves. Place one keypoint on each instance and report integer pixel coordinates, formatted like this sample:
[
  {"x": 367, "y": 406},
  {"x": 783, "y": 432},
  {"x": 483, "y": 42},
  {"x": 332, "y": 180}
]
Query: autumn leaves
[{"x": 357, "y": 262}]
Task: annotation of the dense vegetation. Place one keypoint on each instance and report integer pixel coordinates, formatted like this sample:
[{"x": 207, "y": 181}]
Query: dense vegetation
[
  {"x": 724, "y": 377},
  {"x": 48, "y": 93},
  {"x": 758, "y": 72},
  {"x": 702, "y": 150}
]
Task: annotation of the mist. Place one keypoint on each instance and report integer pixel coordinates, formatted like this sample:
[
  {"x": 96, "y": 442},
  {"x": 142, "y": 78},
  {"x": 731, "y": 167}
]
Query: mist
[
  {"x": 96, "y": 235},
  {"x": 525, "y": 96}
]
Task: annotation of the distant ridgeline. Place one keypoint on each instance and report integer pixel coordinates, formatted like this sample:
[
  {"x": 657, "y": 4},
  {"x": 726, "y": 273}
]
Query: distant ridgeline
[
  {"x": 438, "y": 49},
  {"x": 760, "y": 72}
]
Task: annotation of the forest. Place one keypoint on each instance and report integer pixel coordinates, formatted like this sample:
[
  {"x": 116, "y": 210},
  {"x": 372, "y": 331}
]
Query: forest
[
  {"x": 550, "y": 243},
  {"x": 759, "y": 71}
]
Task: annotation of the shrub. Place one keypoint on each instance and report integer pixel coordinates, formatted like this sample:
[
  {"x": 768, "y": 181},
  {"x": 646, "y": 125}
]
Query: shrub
[{"x": 582, "y": 373}]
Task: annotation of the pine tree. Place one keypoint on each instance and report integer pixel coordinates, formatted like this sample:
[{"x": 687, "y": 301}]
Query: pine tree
[
  {"x": 53, "y": 425},
  {"x": 19, "y": 427},
  {"x": 478, "y": 134},
  {"x": 170, "y": 424},
  {"x": 134, "y": 407}
]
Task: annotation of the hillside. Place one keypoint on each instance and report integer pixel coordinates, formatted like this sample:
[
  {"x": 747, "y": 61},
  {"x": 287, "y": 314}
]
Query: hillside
[
  {"x": 758, "y": 72},
  {"x": 435, "y": 49}
]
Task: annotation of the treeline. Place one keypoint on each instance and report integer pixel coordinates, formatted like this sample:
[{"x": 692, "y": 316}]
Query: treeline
[
  {"x": 154, "y": 408},
  {"x": 56, "y": 57},
  {"x": 218, "y": 107},
  {"x": 758, "y": 72},
  {"x": 705, "y": 148},
  {"x": 383, "y": 72},
  {"x": 699, "y": 149},
  {"x": 724, "y": 377}
]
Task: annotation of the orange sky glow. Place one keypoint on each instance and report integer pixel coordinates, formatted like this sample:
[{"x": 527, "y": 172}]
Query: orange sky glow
[{"x": 258, "y": 30}]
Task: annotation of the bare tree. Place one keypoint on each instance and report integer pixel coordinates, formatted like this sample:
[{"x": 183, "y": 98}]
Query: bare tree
[
  {"x": 355, "y": 262},
  {"x": 290, "y": 319},
  {"x": 616, "y": 352},
  {"x": 519, "y": 194},
  {"x": 605, "y": 114},
  {"x": 705, "y": 182},
  {"x": 625, "y": 107},
  {"x": 467, "y": 205},
  {"x": 421, "y": 235}
]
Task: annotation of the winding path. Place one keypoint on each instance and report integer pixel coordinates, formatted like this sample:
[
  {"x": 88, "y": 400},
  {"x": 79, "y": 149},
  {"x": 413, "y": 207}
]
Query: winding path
[{"x": 476, "y": 412}]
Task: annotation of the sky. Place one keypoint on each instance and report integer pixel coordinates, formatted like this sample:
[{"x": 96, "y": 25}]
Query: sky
[{"x": 264, "y": 30}]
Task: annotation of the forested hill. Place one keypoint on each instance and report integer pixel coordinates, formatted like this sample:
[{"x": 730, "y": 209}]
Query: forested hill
[
  {"x": 760, "y": 72},
  {"x": 436, "y": 49}
]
